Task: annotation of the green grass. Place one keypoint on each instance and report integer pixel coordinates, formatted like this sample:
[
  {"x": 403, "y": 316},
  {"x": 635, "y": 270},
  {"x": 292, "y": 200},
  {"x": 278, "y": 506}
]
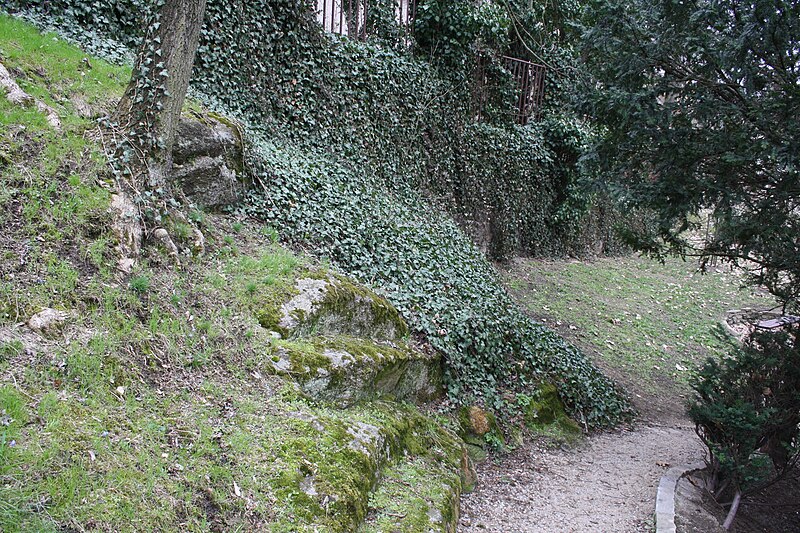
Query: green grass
[
  {"x": 140, "y": 284},
  {"x": 652, "y": 322},
  {"x": 56, "y": 71},
  {"x": 154, "y": 411},
  {"x": 55, "y": 197},
  {"x": 147, "y": 423}
]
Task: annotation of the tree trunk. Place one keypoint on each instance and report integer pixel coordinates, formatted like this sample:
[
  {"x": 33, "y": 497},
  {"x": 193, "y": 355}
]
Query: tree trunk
[
  {"x": 146, "y": 118},
  {"x": 150, "y": 108}
]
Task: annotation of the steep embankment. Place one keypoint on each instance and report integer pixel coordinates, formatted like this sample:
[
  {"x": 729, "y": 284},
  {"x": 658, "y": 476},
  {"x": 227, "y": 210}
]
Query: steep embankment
[
  {"x": 168, "y": 401},
  {"x": 349, "y": 142}
]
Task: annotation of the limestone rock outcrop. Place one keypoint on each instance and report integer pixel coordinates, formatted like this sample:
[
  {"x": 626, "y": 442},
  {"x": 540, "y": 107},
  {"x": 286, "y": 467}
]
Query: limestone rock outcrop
[{"x": 207, "y": 161}]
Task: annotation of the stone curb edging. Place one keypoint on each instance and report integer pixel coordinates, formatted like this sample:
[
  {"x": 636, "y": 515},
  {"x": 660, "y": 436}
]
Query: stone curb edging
[{"x": 665, "y": 497}]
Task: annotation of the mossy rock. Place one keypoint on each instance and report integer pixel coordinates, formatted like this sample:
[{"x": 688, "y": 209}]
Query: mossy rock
[
  {"x": 345, "y": 370},
  {"x": 415, "y": 495},
  {"x": 546, "y": 410},
  {"x": 545, "y": 407},
  {"x": 421, "y": 491},
  {"x": 475, "y": 420},
  {"x": 208, "y": 159},
  {"x": 335, "y": 462},
  {"x": 479, "y": 430},
  {"x": 477, "y": 452},
  {"x": 332, "y": 305}
]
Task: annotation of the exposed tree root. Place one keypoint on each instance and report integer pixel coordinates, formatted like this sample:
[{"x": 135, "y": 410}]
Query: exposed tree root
[
  {"x": 732, "y": 512},
  {"x": 127, "y": 228},
  {"x": 162, "y": 236},
  {"x": 128, "y": 220},
  {"x": 15, "y": 95}
]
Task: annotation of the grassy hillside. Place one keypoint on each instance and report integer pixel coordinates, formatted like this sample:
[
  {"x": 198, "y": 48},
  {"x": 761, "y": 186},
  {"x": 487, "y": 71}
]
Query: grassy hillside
[
  {"x": 650, "y": 323},
  {"x": 155, "y": 407},
  {"x": 347, "y": 162}
]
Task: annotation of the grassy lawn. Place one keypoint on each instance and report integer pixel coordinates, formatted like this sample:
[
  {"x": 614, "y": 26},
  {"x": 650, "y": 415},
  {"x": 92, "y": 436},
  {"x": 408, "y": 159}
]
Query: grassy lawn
[{"x": 648, "y": 324}]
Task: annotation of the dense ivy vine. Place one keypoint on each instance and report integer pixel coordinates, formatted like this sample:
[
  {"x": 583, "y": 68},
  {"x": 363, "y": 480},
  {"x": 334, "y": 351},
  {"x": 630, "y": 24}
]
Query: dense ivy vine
[
  {"x": 361, "y": 150},
  {"x": 422, "y": 262}
]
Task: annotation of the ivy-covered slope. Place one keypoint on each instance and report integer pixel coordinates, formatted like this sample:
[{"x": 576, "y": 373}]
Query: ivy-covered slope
[
  {"x": 421, "y": 261},
  {"x": 355, "y": 149},
  {"x": 384, "y": 108}
]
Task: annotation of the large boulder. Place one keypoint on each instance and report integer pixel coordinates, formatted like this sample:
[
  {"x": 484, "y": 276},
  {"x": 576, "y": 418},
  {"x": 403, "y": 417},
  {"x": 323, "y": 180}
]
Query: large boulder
[
  {"x": 350, "y": 470},
  {"x": 332, "y": 305},
  {"x": 345, "y": 371},
  {"x": 207, "y": 161}
]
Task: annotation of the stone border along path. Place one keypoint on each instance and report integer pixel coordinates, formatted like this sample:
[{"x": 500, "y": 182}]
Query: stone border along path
[
  {"x": 606, "y": 485},
  {"x": 665, "y": 497}
]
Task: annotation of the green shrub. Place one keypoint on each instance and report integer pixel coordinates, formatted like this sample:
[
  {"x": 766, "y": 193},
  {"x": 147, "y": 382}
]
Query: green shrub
[
  {"x": 139, "y": 284},
  {"x": 747, "y": 411}
]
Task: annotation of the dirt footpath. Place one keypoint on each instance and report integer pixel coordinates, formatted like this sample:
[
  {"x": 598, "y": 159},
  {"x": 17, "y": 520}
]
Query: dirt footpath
[{"x": 607, "y": 484}]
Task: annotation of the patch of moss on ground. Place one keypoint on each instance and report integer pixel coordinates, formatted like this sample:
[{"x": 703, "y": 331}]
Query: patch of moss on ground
[
  {"x": 543, "y": 408},
  {"x": 415, "y": 495}
]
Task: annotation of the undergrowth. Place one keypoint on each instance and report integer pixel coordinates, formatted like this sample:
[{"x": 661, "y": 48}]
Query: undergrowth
[{"x": 353, "y": 147}]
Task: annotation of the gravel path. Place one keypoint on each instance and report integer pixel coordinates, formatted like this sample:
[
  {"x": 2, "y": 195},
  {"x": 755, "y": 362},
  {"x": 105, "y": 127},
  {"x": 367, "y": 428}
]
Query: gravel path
[{"x": 607, "y": 484}]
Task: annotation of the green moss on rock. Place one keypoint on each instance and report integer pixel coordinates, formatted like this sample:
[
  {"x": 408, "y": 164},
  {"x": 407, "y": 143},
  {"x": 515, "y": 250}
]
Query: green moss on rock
[
  {"x": 269, "y": 318},
  {"x": 329, "y": 461},
  {"x": 329, "y": 304},
  {"x": 365, "y": 310},
  {"x": 421, "y": 490},
  {"x": 415, "y": 496},
  {"x": 545, "y": 411},
  {"x": 346, "y": 370},
  {"x": 544, "y": 408}
]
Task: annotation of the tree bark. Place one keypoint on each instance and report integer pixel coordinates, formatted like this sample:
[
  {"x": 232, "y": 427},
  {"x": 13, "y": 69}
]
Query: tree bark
[
  {"x": 146, "y": 119},
  {"x": 149, "y": 110}
]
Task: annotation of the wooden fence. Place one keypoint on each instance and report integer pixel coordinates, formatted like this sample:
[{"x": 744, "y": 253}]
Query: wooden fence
[
  {"x": 352, "y": 17},
  {"x": 529, "y": 87}
]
